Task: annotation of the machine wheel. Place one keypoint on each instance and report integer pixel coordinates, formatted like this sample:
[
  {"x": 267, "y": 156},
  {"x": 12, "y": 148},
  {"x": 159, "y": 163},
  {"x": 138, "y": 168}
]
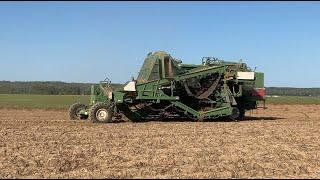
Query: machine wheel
[
  {"x": 74, "y": 111},
  {"x": 235, "y": 113},
  {"x": 100, "y": 113}
]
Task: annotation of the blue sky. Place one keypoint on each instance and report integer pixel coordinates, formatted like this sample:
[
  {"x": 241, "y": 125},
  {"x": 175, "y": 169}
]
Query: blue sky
[{"x": 88, "y": 41}]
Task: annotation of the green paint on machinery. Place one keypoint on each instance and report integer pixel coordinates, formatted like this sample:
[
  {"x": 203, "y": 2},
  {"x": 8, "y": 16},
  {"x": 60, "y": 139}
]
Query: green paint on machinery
[{"x": 167, "y": 88}]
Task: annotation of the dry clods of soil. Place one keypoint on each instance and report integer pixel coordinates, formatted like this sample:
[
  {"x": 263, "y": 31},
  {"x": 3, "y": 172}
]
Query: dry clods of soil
[{"x": 280, "y": 142}]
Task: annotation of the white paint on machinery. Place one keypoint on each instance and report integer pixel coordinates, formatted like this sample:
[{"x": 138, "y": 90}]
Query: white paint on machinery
[
  {"x": 131, "y": 86},
  {"x": 245, "y": 75}
]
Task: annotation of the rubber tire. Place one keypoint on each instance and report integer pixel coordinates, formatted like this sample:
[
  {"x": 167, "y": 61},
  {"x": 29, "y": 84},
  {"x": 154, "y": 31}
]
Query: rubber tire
[
  {"x": 74, "y": 108},
  {"x": 235, "y": 113},
  {"x": 95, "y": 108}
]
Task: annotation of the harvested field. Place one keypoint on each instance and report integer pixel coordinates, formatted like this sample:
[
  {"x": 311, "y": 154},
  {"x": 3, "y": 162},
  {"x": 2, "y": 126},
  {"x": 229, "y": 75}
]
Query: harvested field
[{"x": 280, "y": 142}]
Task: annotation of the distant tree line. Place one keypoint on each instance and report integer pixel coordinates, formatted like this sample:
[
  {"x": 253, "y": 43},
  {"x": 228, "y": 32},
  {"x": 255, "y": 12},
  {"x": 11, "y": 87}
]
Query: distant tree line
[
  {"x": 287, "y": 91},
  {"x": 46, "y": 88},
  {"x": 62, "y": 88}
]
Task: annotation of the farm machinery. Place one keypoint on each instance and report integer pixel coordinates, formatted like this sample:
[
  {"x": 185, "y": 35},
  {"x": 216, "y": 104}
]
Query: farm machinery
[{"x": 168, "y": 88}]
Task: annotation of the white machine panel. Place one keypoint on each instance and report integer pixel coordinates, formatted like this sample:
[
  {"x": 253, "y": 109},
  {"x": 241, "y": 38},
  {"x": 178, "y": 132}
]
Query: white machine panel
[
  {"x": 131, "y": 86},
  {"x": 245, "y": 75}
]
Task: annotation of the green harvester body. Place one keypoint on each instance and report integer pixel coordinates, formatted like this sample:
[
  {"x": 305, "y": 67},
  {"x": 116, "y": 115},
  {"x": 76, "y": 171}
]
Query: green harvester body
[{"x": 167, "y": 88}]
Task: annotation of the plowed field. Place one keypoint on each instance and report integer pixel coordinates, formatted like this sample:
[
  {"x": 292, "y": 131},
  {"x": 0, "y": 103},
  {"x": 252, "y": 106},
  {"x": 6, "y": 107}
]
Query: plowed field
[{"x": 280, "y": 142}]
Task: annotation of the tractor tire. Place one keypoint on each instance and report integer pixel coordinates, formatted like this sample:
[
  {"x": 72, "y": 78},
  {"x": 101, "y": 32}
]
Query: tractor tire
[
  {"x": 235, "y": 113},
  {"x": 74, "y": 111},
  {"x": 100, "y": 113}
]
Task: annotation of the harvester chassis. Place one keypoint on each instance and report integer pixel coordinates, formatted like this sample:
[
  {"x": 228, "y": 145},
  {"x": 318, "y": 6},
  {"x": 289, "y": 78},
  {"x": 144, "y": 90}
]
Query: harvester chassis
[{"x": 166, "y": 88}]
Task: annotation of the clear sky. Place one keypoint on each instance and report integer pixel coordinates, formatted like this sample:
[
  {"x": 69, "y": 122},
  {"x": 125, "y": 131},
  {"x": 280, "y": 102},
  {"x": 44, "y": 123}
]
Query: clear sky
[{"x": 88, "y": 41}]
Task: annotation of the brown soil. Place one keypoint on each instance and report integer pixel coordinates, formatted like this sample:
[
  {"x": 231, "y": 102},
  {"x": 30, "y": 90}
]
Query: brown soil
[{"x": 280, "y": 142}]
